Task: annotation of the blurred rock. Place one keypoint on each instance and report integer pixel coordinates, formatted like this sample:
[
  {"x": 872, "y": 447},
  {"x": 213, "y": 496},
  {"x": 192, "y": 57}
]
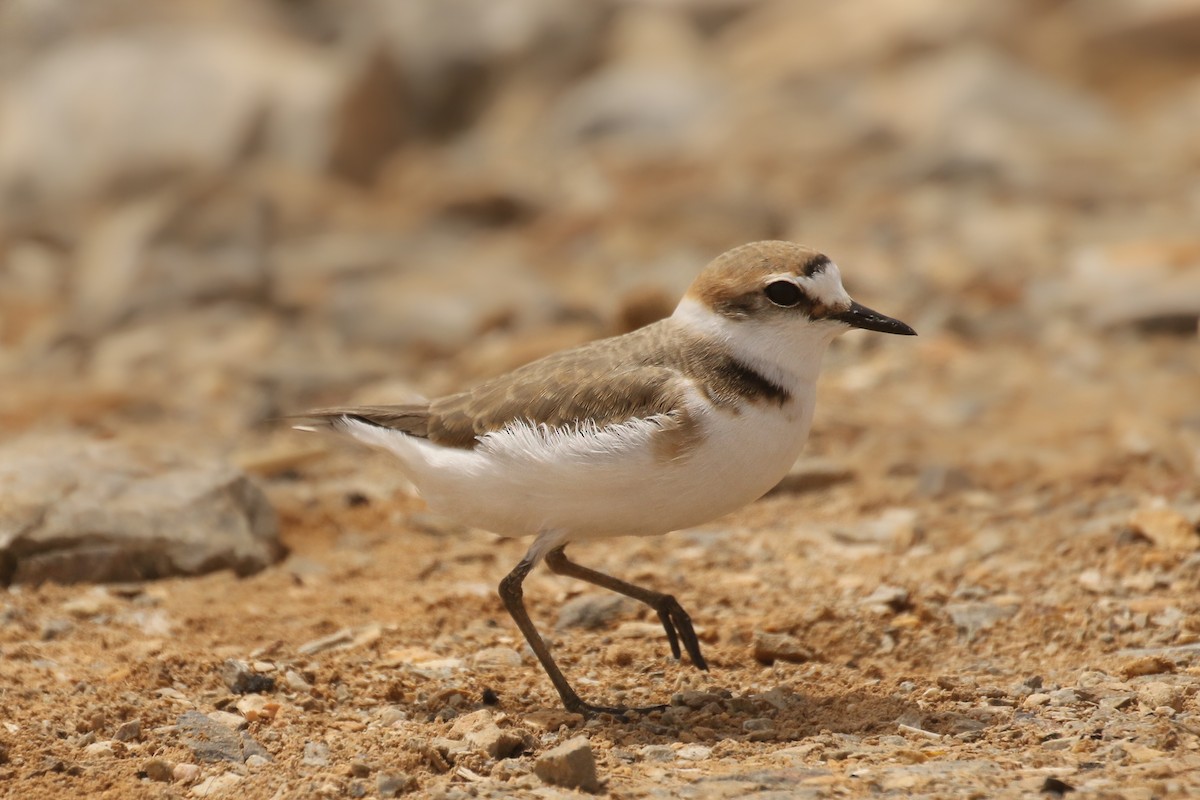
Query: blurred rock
[
  {"x": 1166, "y": 527},
  {"x": 204, "y": 96},
  {"x": 455, "y": 53},
  {"x": 972, "y": 618},
  {"x": 74, "y": 510},
  {"x": 1153, "y": 284},
  {"x": 1171, "y": 25},
  {"x": 480, "y": 732},
  {"x": 656, "y": 95},
  {"x": 211, "y": 741},
  {"x": 592, "y": 610},
  {"x": 973, "y": 107},
  {"x": 572, "y": 765},
  {"x": 772, "y": 647}
]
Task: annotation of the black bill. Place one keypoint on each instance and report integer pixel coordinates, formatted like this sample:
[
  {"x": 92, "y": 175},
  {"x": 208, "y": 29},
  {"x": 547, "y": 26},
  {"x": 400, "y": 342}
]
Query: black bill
[{"x": 859, "y": 316}]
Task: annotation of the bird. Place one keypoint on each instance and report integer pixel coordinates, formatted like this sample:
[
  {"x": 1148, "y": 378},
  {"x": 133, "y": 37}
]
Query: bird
[{"x": 663, "y": 428}]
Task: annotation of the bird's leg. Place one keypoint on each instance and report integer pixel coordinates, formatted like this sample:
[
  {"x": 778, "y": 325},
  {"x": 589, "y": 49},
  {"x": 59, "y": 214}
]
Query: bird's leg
[
  {"x": 513, "y": 597},
  {"x": 675, "y": 620}
]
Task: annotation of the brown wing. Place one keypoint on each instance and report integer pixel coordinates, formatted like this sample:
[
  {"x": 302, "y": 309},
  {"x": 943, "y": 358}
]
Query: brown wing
[{"x": 608, "y": 382}]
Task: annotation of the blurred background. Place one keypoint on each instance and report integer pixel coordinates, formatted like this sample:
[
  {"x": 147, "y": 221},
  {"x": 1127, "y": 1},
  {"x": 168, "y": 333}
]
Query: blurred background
[{"x": 216, "y": 212}]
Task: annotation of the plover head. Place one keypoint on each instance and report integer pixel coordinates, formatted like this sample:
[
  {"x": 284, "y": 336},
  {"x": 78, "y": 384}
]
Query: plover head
[{"x": 778, "y": 302}]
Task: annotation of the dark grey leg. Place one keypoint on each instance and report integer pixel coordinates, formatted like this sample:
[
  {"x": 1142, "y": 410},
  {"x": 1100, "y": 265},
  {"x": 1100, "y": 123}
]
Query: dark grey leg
[
  {"x": 675, "y": 620},
  {"x": 513, "y": 597}
]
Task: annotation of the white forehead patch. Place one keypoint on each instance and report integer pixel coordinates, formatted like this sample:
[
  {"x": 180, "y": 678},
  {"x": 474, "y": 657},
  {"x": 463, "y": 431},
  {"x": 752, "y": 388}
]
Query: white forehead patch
[{"x": 825, "y": 287}]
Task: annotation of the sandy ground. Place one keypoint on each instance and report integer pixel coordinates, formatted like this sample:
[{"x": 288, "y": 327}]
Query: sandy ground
[
  {"x": 973, "y": 611},
  {"x": 984, "y": 579}
]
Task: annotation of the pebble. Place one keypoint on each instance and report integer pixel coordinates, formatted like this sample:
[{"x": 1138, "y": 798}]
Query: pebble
[
  {"x": 571, "y": 765},
  {"x": 1158, "y": 694},
  {"x": 656, "y": 752},
  {"x": 393, "y": 784},
  {"x": 1146, "y": 665},
  {"x": 392, "y": 715},
  {"x": 592, "y": 611},
  {"x": 216, "y": 785},
  {"x": 255, "y": 707},
  {"x": 887, "y": 598},
  {"x": 128, "y": 731},
  {"x": 256, "y": 762},
  {"x": 973, "y": 617},
  {"x": 496, "y": 658},
  {"x": 480, "y": 731},
  {"x": 240, "y": 679},
  {"x": 1036, "y": 699},
  {"x": 185, "y": 773},
  {"x": 320, "y": 645},
  {"x": 694, "y": 752},
  {"x": 316, "y": 754},
  {"x": 772, "y": 647},
  {"x": 100, "y": 750},
  {"x": 211, "y": 741},
  {"x": 1165, "y": 527},
  {"x": 158, "y": 769},
  {"x": 296, "y": 682},
  {"x": 235, "y": 721}
]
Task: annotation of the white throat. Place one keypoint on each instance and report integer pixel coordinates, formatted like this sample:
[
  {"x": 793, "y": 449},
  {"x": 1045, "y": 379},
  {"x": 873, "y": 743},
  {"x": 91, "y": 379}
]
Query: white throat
[{"x": 788, "y": 352}]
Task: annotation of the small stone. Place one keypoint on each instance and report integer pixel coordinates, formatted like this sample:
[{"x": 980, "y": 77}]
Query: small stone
[
  {"x": 772, "y": 647},
  {"x": 1064, "y": 697},
  {"x": 392, "y": 715},
  {"x": 240, "y": 679},
  {"x": 938, "y": 480},
  {"x": 694, "y": 752},
  {"x": 296, "y": 682},
  {"x": 235, "y": 721},
  {"x": 496, "y": 658},
  {"x": 393, "y": 784},
  {"x": 551, "y": 719},
  {"x": 100, "y": 750},
  {"x": 760, "y": 729},
  {"x": 1157, "y": 694},
  {"x": 888, "y": 598},
  {"x": 343, "y": 637},
  {"x": 1146, "y": 665},
  {"x": 479, "y": 730},
  {"x": 256, "y": 761},
  {"x": 94, "y": 602},
  {"x": 1165, "y": 527},
  {"x": 657, "y": 752},
  {"x": 571, "y": 765},
  {"x": 211, "y": 741},
  {"x": 359, "y": 768},
  {"x": 1036, "y": 699},
  {"x": 216, "y": 785},
  {"x": 158, "y": 769},
  {"x": 592, "y": 611},
  {"x": 971, "y": 618},
  {"x": 185, "y": 773},
  {"x": 128, "y": 731},
  {"x": 255, "y": 707},
  {"x": 316, "y": 754},
  {"x": 56, "y": 629}
]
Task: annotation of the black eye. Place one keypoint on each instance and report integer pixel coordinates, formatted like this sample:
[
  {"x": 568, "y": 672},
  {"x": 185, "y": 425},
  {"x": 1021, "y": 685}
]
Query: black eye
[{"x": 783, "y": 293}]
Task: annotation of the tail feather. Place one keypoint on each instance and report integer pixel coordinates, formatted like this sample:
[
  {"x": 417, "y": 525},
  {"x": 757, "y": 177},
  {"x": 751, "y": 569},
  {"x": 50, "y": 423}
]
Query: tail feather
[{"x": 410, "y": 419}]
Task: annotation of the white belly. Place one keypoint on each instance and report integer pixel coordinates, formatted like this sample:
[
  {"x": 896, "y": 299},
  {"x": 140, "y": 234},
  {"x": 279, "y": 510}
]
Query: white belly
[{"x": 612, "y": 482}]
